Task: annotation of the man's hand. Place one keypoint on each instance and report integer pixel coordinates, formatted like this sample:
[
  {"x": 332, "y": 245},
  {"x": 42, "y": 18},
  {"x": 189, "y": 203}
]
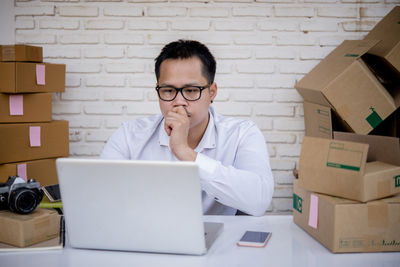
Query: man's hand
[{"x": 177, "y": 125}]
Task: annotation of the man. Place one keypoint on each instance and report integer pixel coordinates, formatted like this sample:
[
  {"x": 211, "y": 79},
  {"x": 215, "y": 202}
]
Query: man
[{"x": 231, "y": 154}]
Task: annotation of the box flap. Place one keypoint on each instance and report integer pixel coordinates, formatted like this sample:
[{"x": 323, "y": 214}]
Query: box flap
[
  {"x": 334, "y": 64},
  {"x": 381, "y": 148}
]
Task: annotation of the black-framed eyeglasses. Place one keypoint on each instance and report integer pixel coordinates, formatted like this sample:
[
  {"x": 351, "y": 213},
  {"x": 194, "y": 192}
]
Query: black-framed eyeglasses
[{"x": 190, "y": 93}]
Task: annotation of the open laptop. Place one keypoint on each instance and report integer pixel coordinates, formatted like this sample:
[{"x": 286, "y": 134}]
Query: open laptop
[{"x": 148, "y": 206}]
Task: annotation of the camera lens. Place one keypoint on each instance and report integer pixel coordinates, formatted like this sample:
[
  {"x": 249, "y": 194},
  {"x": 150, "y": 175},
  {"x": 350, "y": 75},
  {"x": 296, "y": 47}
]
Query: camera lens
[{"x": 23, "y": 201}]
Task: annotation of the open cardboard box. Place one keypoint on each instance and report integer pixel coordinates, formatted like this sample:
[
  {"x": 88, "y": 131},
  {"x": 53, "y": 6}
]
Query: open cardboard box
[
  {"x": 344, "y": 225},
  {"x": 343, "y": 81},
  {"x": 357, "y": 167}
]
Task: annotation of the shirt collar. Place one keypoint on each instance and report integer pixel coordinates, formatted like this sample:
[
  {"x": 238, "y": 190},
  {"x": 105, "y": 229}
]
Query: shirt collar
[{"x": 207, "y": 142}]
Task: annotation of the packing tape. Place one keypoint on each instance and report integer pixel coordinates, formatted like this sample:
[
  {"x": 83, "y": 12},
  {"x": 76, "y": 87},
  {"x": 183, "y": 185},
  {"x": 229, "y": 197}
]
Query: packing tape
[
  {"x": 384, "y": 188},
  {"x": 378, "y": 214}
]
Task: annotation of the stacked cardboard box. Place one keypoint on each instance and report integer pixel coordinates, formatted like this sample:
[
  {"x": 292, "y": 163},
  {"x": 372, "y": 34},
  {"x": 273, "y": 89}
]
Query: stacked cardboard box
[
  {"x": 349, "y": 167},
  {"x": 29, "y": 140}
]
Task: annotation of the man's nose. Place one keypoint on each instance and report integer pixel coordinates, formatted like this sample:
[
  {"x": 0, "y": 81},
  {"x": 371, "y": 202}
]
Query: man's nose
[{"x": 180, "y": 100}]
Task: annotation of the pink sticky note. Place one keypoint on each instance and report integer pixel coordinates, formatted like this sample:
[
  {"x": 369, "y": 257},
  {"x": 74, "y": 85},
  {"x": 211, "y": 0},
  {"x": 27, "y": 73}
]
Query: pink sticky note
[
  {"x": 21, "y": 171},
  {"x": 16, "y": 105},
  {"x": 313, "y": 217},
  {"x": 40, "y": 74},
  {"x": 34, "y": 136}
]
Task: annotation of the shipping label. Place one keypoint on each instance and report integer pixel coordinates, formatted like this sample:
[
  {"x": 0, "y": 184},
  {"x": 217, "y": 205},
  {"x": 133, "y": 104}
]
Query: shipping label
[{"x": 343, "y": 158}]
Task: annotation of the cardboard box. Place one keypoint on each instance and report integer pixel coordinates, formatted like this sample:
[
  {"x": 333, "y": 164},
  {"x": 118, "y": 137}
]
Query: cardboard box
[
  {"x": 21, "y": 53},
  {"x": 322, "y": 121},
  {"x": 25, "y": 230},
  {"x": 43, "y": 171},
  {"x": 388, "y": 31},
  {"x": 343, "y": 82},
  {"x": 25, "y": 107},
  {"x": 349, "y": 169},
  {"x": 344, "y": 225},
  {"x": 30, "y": 141},
  {"x": 23, "y": 77}
]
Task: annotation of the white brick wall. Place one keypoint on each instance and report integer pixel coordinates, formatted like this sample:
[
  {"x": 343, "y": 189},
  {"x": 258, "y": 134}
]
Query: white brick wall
[{"x": 262, "y": 48}]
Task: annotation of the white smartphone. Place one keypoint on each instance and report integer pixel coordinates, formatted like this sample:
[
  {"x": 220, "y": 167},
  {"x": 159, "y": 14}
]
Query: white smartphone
[{"x": 254, "y": 239}]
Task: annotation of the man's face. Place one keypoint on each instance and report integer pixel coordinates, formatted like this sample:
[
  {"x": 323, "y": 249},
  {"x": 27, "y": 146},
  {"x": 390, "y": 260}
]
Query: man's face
[{"x": 184, "y": 72}]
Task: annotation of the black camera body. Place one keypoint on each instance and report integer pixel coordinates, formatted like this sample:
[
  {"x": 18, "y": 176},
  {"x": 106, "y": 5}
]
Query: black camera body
[{"x": 20, "y": 196}]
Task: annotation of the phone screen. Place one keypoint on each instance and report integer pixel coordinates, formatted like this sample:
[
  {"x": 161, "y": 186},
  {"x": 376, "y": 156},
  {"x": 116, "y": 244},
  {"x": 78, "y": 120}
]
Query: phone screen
[
  {"x": 254, "y": 239},
  {"x": 52, "y": 192}
]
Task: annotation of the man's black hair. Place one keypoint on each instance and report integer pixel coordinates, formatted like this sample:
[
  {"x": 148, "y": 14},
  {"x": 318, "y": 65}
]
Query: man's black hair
[{"x": 184, "y": 49}]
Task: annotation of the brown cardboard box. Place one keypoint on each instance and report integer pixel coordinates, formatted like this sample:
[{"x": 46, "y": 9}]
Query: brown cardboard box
[
  {"x": 35, "y": 107},
  {"x": 349, "y": 226},
  {"x": 21, "y": 53},
  {"x": 25, "y": 230},
  {"x": 348, "y": 169},
  {"x": 20, "y": 77},
  {"x": 322, "y": 121},
  {"x": 388, "y": 31},
  {"x": 43, "y": 171},
  {"x": 19, "y": 141},
  {"x": 345, "y": 83}
]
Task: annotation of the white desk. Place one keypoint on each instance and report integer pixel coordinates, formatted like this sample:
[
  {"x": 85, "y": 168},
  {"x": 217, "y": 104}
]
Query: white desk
[{"x": 289, "y": 246}]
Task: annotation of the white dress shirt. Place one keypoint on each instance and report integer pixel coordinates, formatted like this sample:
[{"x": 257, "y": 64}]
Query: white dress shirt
[{"x": 233, "y": 160}]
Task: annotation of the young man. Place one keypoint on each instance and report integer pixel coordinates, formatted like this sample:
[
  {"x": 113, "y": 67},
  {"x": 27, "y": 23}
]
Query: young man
[{"x": 231, "y": 154}]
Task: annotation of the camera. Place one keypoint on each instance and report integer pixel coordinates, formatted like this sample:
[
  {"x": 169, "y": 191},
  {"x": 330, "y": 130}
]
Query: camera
[{"x": 20, "y": 196}]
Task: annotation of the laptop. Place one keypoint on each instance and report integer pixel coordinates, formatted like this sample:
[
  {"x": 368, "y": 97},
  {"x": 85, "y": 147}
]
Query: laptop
[{"x": 127, "y": 205}]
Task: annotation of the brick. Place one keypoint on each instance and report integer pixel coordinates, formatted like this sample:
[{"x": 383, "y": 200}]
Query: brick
[
  {"x": 24, "y": 23},
  {"x": 255, "y": 67},
  {"x": 234, "y": 25},
  {"x": 166, "y": 11},
  {"x": 256, "y": 11},
  {"x": 251, "y": 96},
  {"x": 283, "y": 191},
  {"x": 35, "y": 38},
  {"x": 79, "y": 149},
  {"x": 98, "y": 135},
  {"x": 123, "y": 38},
  {"x": 360, "y": 1},
  {"x": 103, "y": 108},
  {"x": 232, "y": 53},
  {"x": 337, "y": 12},
  {"x": 78, "y": 11},
  {"x": 103, "y": 0},
  {"x": 283, "y": 177},
  {"x": 213, "y": 38},
  {"x": 374, "y": 11},
  {"x": 280, "y": 138},
  {"x": 194, "y": 25},
  {"x": 123, "y": 95},
  {"x": 83, "y": 68},
  {"x": 263, "y": 123},
  {"x": 213, "y": 12},
  {"x": 66, "y": 108},
  {"x": 297, "y": 67},
  {"x": 318, "y": 26},
  {"x": 75, "y": 135},
  {"x": 224, "y": 67},
  {"x": 146, "y": 1},
  {"x": 125, "y": 67},
  {"x": 162, "y": 39},
  {"x": 276, "y": 53},
  {"x": 237, "y": 82},
  {"x": 114, "y": 123},
  {"x": 335, "y": 40},
  {"x": 72, "y": 81},
  {"x": 123, "y": 11},
  {"x": 294, "y": 11},
  {"x": 79, "y": 94},
  {"x": 142, "y": 80},
  {"x": 105, "y": 81},
  {"x": 237, "y": 109},
  {"x": 300, "y": 111},
  {"x": 147, "y": 25},
  {"x": 102, "y": 24},
  {"x": 79, "y": 39},
  {"x": 358, "y": 26},
  {"x": 143, "y": 52},
  {"x": 273, "y": 110},
  {"x": 289, "y": 124},
  {"x": 291, "y": 150},
  {"x": 287, "y": 95},
  {"x": 259, "y": 39},
  {"x": 234, "y": 1},
  {"x": 297, "y": 39},
  {"x": 84, "y": 123},
  {"x": 278, "y": 25},
  {"x": 58, "y": 52},
  {"x": 282, "y": 204},
  {"x": 144, "y": 108},
  {"x": 45, "y": 10},
  {"x": 59, "y": 24},
  {"x": 282, "y": 164},
  {"x": 276, "y": 1},
  {"x": 276, "y": 81},
  {"x": 314, "y": 52},
  {"x": 222, "y": 96},
  {"x": 109, "y": 52}
]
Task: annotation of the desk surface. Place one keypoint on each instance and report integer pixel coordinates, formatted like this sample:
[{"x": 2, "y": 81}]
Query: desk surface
[{"x": 289, "y": 246}]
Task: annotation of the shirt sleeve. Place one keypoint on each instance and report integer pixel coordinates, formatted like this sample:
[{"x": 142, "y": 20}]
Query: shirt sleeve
[
  {"x": 116, "y": 146},
  {"x": 248, "y": 183}
]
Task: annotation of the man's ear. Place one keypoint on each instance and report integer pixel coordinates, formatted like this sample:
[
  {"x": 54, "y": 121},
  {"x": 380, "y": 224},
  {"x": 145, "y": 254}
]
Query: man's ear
[{"x": 213, "y": 91}]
